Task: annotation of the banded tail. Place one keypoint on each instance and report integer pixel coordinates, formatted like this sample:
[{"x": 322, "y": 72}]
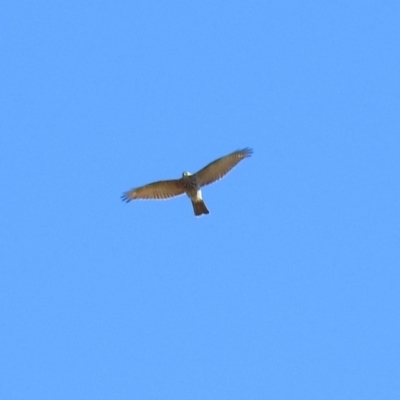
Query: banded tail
[{"x": 199, "y": 207}]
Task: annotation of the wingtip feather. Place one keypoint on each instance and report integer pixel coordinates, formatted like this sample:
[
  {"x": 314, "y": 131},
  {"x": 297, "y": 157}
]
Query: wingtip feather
[
  {"x": 125, "y": 197},
  {"x": 248, "y": 151}
]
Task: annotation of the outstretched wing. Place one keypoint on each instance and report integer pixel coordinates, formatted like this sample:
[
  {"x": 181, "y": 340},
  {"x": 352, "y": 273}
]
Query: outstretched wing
[
  {"x": 158, "y": 190},
  {"x": 220, "y": 167}
]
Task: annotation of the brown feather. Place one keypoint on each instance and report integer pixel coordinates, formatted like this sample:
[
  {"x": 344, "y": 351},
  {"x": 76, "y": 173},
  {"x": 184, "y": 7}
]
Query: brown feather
[
  {"x": 157, "y": 191},
  {"x": 220, "y": 167},
  {"x": 199, "y": 208}
]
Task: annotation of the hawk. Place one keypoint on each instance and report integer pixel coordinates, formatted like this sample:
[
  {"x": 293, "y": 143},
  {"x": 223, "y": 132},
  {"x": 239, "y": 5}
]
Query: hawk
[{"x": 189, "y": 183}]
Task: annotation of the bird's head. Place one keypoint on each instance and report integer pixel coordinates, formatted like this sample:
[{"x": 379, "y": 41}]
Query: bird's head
[{"x": 186, "y": 174}]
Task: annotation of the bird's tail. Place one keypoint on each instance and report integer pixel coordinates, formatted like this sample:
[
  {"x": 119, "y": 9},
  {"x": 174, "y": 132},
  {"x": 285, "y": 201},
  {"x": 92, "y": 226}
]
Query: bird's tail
[{"x": 199, "y": 207}]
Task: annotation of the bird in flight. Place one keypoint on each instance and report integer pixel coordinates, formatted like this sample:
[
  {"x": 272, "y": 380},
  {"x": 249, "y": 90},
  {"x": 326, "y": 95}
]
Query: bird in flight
[{"x": 189, "y": 183}]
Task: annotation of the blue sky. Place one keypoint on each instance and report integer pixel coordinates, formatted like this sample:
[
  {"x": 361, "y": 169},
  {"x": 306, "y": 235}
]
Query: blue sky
[{"x": 288, "y": 289}]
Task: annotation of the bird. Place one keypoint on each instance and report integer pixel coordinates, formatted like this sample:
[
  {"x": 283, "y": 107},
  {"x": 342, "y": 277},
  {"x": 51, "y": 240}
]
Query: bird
[{"x": 190, "y": 184}]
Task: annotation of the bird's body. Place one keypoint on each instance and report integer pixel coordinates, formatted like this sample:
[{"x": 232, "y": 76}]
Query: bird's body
[
  {"x": 190, "y": 183},
  {"x": 193, "y": 191}
]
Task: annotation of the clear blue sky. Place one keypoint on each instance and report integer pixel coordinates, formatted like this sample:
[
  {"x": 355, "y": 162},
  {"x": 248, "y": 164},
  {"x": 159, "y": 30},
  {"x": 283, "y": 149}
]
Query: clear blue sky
[{"x": 288, "y": 289}]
